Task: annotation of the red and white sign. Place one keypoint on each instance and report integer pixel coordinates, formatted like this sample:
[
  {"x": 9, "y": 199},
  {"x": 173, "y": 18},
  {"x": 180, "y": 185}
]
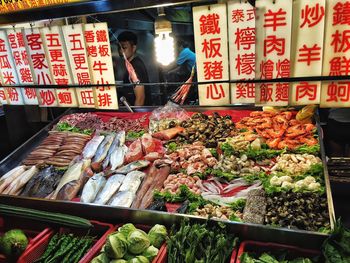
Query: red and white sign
[
  {"x": 241, "y": 34},
  {"x": 20, "y": 57},
  {"x": 57, "y": 58},
  {"x": 101, "y": 65},
  {"x": 75, "y": 43},
  {"x": 8, "y": 71},
  {"x": 210, "y": 27},
  {"x": 40, "y": 66},
  {"x": 3, "y": 96},
  {"x": 307, "y": 45},
  {"x": 273, "y": 40},
  {"x": 336, "y": 61}
]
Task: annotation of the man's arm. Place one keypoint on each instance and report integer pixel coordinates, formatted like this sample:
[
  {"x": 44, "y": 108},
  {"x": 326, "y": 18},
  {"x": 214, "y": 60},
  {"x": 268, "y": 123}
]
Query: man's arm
[{"x": 139, "y": 95}]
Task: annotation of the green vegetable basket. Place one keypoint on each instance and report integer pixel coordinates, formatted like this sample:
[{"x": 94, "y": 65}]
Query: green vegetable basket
[
  {"x": 100, "y": 231},
  {"x": 34, "y": 232}
]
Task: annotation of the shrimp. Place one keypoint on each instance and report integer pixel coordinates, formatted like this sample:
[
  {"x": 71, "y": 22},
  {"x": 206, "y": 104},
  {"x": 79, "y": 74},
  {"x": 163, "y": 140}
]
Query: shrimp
[
  {"x": 275, "y": 133},
  {"x": 287, "y": 115},
  {"x": 264, "y": 123},
  {"x": 287, "y": 143},
  {"x": 280, "y": 122},
  {"x": 256, "y": 113},
  {"x": 294, "y": 122},
  {"x": 295, "y": 131},
  {"x": 250, "y": 136},
  {"x": 262, "y": 133},
  {"x": 273, "y": 143},
  {"x": 308, "y": 127},
  {"x": 309, "y": 140}
]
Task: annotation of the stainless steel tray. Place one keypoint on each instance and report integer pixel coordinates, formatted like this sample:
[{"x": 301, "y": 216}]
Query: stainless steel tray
[{"x": 119, "y": 215}]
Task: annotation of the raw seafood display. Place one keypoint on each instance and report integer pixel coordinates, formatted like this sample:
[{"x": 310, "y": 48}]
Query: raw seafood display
[{"x": 206, "y": 165}]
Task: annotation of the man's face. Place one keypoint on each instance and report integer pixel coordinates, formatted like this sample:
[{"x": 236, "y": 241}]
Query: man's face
[{"x": 128, "y": 49}]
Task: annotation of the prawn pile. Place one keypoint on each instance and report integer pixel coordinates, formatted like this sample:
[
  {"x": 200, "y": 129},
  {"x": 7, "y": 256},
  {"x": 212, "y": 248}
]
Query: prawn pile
[{"x": 280, "y": 129}]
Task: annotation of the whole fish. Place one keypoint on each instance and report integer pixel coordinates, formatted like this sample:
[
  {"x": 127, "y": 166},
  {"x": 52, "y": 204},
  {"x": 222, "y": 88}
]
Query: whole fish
[
  {"x": 103, "y": 148},
  {"x": 10, "y": 176},
  {"x": 132, "y": 167},
  {"x": 112, "y": 185},
  {"x": 91, "y": 147},
  {"x": 20, "y": 181},
  {"x": 118, "y": 141},
  {"x": 43, "y": 183},
  {"x": 92, "y": 188},
  {"x": 71, "y": 181},
  {"x": 123, "y": 199},
  {"x": 117, "y": 158},
  {"x": 132, "y": 181}
]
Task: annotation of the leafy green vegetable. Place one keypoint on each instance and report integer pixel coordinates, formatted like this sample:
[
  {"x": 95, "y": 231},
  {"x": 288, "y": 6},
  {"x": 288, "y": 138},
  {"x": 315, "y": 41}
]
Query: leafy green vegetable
[
  {"x": 199, "y": 243},
  {"x": 64, "y": 126},
  {"x": 157, "y": 235},
  {"x": 126, "y": 229},
  {"x": 267, "y": 258},
  {"x": 132, "y": 135},
  {"x": 225, "y": 175},
  {"x": 138, "y": 242},
  {"x": 314, "y": 149},
  {"x": 261, "y": 154},
  {"x": 214, "y": 152},
  {"x": 205, "y": 174},
  {"x": 116, "y": 245},
  {"x": 243, "y": 130},
  {"x": 172, "y": 146},
  {"x": 227, "y": 149},
  {"x": 238, "y": 204}
]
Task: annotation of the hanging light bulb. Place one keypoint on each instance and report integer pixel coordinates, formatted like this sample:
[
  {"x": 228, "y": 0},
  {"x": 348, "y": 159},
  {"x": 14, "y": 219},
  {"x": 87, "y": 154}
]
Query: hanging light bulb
[{"x": 164, "y": 43}]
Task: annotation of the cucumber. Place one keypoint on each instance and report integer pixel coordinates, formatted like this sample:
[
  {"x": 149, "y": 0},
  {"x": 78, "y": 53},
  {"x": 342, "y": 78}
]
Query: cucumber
[{"x": 49, "y": 217}]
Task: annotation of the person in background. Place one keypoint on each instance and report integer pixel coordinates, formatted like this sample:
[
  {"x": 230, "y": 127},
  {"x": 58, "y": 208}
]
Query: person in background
[
  {"x": 138, "y": 95},
  {"x": 338, "y": 130},
  {"x": 181, "y": 69}
]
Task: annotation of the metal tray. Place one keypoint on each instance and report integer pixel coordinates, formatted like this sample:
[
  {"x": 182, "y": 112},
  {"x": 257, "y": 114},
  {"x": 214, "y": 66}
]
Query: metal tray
[{"x": 311, "y": 240}]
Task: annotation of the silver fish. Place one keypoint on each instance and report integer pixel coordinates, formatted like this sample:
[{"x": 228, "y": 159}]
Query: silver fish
[
  {"x": 132, "y": 181},
  {"x": 117, "y": 158},
  {"x": 20, "y": 181},
  {"x": 91, "y": 147},
  {"x": 103, "y": 148},
  {"x": 118, "y": 141},
  {"x": 10, "y": 176},
  {"x": 132, "y": 166},
  {"x": 123, "y": 199},
  {"x": 112, "y": 185},
  {"x": 92, "y": 188}
]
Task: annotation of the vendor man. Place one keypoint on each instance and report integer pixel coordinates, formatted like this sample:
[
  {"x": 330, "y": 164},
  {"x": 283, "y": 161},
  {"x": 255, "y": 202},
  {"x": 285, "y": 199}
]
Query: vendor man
[{"x": 138, "y": 95}]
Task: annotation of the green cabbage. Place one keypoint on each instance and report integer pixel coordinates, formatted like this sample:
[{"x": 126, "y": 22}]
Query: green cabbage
[
  {"x": 138, "y": 242},
  {"x": 102, "y": 258},
  {"x": 118, "y": 261},
  {"x": 116, "y": 245},
  {"x": 128, "y": 256},
  {"x": 127, "y": 229},
  {"x": 139, "y": 259},
  {"x": 150, "y": 253},
  {"x": 157, "y": 235}
]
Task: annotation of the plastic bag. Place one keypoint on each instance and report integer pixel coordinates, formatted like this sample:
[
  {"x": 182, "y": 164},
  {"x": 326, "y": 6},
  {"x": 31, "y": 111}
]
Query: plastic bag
[{"x": 166, "y": 117}]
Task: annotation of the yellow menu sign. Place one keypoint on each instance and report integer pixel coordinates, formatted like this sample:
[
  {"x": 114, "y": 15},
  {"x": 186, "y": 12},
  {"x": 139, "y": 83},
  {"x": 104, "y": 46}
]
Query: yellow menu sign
[{"x": 8, "y": 6}]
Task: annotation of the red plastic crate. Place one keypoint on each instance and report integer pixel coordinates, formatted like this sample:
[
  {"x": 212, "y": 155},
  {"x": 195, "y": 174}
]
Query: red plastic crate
[
  {"x": 33, "y": 230},
  {"x": 101, "y": 230},
  {"x": 261, "y": 247},
  {"x": 145, "y": 228}
]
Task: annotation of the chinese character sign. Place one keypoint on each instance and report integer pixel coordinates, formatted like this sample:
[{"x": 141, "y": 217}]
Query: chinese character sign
[
  {"x": 8, "y": 71},
  {"x": 307, "y": 47},
  {"x": 101, "y": 65},
  {"x": 20, "y": 57},
  {"x": 57, "y": 58},
  {"x": 3, "y": 96},
  {"x": 241, "y": 34},
  {"x": 273, "y": 40},
  {"x": 210, "y": 27},
  {"x": 336, "y": 60},
  {"x": 77, "y": 55},
  {"x": 40, "y": 66}
]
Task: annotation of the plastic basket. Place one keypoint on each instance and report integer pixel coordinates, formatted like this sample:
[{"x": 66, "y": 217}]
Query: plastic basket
[
  {"x": 33, "y": 230},
  {"x": 145, "y": 228},
  {"x": 261, "y": 247},
  {"x": 100, "y": 230}
]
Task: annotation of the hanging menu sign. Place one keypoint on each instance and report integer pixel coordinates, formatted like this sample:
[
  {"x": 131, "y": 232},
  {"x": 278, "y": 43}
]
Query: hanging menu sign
[
  {"x": 336, "y": 59},
  {"x": 210, "y": 27},
  {"x": 20, "y": 57},
  {"x": 3, "y": 97},
  {"x": 75, "y": 43},
  {"x": 8, "y": 71},
  {"x": 57, "y": 58},
  {"x": 40, "y": 66},
  {"x": 241, "y": 35},
  {"x": 101, "y": 65},
  {"x": 7, "y": 6},
  {"x": 308, "y": 28},
  {"x": 273, "y": 40}
]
